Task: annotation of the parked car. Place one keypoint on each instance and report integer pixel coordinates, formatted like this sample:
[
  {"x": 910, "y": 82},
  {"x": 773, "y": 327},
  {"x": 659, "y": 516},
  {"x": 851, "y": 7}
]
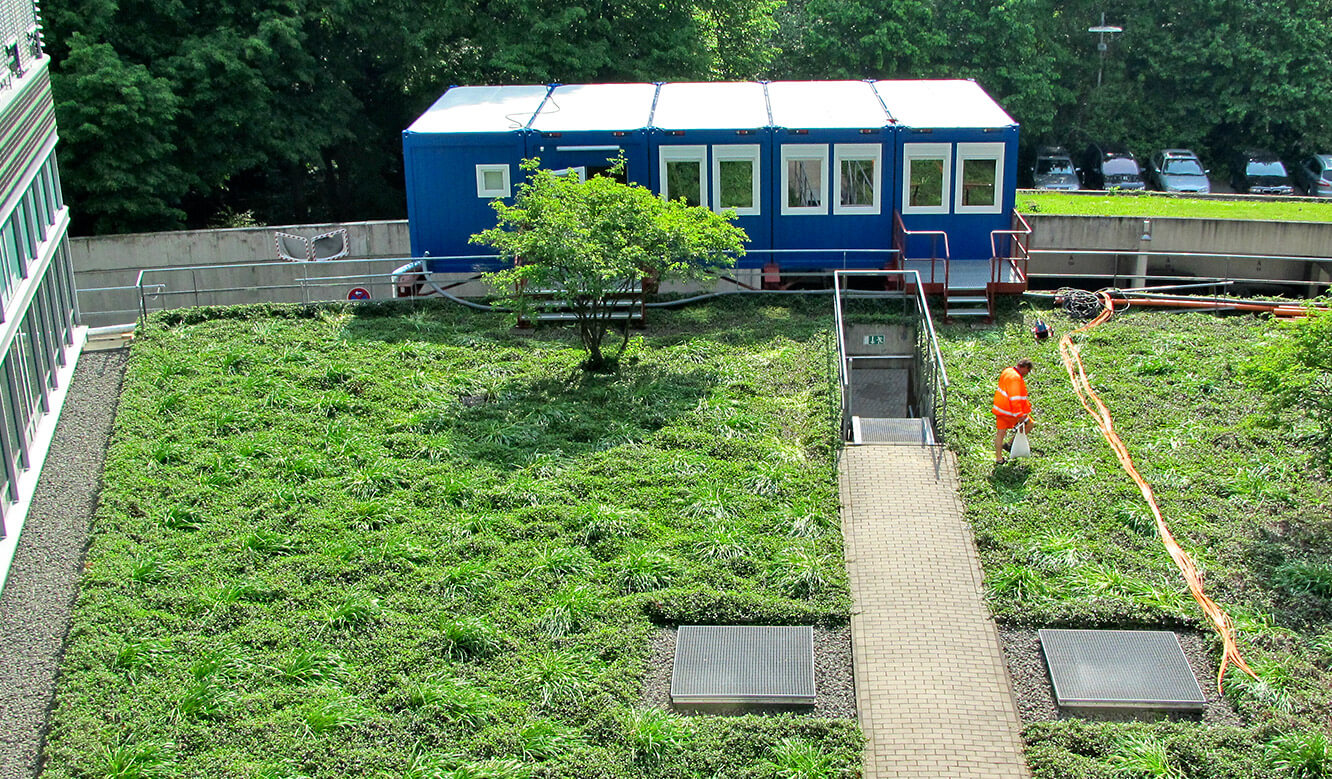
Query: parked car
[
  {"x": 1110, "y": 166},
  {"x": 1178, "y": 170},
  {"x": 1260, "y": 172},
  {"x": 1314, "y": 173},
  {"x": 1054, "y": 169}
]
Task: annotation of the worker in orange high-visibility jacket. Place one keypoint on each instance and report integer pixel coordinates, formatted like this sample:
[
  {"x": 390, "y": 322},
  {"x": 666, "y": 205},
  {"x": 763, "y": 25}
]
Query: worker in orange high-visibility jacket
[{"x": 1012, "y": 409}]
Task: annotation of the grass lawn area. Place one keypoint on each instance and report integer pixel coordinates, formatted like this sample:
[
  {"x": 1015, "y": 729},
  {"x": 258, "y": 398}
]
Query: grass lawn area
[
  {"x": 1153, "y": 204},
  {"x": 412, "y": 542},
  {"x": 1066, "y": 540}
]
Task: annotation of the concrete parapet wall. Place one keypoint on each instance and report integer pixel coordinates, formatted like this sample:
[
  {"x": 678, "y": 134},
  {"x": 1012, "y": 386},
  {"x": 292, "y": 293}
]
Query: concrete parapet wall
[
  {"x": 1123, "y": 239},
  {"x": 1124, "y": 234},
  {"x": 111, "y": 261},
  {"x": 114, "y": 261}
]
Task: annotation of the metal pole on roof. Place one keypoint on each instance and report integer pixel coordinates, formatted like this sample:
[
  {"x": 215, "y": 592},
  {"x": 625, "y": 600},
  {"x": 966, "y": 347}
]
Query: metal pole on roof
[{"x": 1103, "y": 30}]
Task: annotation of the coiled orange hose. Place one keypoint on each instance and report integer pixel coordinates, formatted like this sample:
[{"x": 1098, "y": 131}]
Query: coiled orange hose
[{"x": 1092, "y": 402}]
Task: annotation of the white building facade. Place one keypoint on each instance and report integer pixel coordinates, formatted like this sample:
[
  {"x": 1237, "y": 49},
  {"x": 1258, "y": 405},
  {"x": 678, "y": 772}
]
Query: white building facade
[{"x": 40, "y": 336}]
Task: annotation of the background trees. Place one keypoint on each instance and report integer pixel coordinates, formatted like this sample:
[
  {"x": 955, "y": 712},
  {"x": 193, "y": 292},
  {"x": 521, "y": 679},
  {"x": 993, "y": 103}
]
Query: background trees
[{"x": 186, "y": 113}]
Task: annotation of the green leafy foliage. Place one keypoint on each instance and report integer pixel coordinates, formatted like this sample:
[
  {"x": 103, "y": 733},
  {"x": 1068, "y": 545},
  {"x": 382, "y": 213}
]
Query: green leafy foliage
[
  {"x": 1143, "y": 756},
  {"x": 593, "y": 242},
  {"x": 800, "y": 759},
  {"x": 468, "y": 619},
  {"x": 653, "y": 734},
  {"x": 254, "y": 111},
  {"x": 1065, "y": 538},
  {"x": 1301, "y": 755}
]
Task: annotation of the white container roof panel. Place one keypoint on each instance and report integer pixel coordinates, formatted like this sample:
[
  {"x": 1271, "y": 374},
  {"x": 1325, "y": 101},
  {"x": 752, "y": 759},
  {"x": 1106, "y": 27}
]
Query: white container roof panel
[
  {"x": 481, "y": 110},
  {"x": 720, "y": 105},
  {"x": 941, "y": 104},
  {"x": 596, "y": 107},
  {"x": 825, "y": 104}
]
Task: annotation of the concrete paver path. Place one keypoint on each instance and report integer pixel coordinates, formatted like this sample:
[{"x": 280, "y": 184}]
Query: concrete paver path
[{"x": 932, "y": 688}]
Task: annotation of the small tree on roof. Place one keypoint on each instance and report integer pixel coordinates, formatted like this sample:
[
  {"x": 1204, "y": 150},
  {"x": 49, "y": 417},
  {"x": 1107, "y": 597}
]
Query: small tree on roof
[{"x": 595, "y": 241}]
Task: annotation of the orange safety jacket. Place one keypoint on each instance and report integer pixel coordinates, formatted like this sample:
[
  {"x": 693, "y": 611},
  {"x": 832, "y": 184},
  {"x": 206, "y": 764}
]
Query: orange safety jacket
[{"x": 1010, "y": 399}]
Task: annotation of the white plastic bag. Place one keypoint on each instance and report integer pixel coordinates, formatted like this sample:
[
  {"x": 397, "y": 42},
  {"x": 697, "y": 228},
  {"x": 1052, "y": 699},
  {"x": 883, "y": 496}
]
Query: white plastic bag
[{"x": 1021, "y": 448}]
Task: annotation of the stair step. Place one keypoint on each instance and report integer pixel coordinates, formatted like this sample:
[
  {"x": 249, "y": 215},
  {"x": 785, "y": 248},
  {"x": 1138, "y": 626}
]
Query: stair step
[
  {"x": 952, "y": 299},
  {"x": 968, "y": 312}
]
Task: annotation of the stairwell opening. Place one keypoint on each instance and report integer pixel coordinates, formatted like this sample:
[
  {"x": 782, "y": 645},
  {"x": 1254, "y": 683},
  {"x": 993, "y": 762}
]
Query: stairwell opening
[{"x": 893, "y": 383}]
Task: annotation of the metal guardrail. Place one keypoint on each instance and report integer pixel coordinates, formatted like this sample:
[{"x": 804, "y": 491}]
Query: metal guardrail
[
  {"x": 1227, "y": 261},
  {"x": 931, "y": 377},
  {"x": 901, "y": 235},
  {"x": 307, "y": 282},
  {"x": 1018, "y": 255},
  {"x": 310, "y": 279}
]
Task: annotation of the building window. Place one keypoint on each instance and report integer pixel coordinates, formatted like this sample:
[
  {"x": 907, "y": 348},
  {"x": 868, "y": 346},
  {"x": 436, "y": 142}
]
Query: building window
[
  {"x": 856, "y": 187},
  {"x": 804, "y": 179},
  {"x": 492, "y": 181},
  {"x": 980, "y": 175},
  {"x": 55, "y": 179},
  {"x": 735, "y": 178},
  {"x": 925, "y": 178},
  {"x": 684, "y": 173}
]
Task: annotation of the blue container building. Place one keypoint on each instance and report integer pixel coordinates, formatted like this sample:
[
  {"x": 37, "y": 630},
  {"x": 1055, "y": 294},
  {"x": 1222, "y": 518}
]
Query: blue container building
[{"x": 810, "y": 168}]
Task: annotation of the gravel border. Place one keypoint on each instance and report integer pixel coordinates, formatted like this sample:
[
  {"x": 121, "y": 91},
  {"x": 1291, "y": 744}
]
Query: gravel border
[
  {"x": 834, "y": 679},
  {"x": 43, "y": 579},
  {"x": 1035, "y": 694}
]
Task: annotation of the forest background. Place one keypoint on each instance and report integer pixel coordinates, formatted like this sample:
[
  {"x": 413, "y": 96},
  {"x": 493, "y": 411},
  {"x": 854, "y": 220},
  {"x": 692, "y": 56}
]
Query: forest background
[{"x": 197, "y": 113}]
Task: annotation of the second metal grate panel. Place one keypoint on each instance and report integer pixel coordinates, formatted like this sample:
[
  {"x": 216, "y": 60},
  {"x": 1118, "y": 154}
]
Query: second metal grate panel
[
  {"x": 752, "y": 664},
  {"x": 1120, "y": 669}
]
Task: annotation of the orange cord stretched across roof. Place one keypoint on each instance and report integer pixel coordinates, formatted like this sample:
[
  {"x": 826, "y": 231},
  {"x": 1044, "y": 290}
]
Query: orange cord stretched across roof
[{"x": 1092, "y": 402}]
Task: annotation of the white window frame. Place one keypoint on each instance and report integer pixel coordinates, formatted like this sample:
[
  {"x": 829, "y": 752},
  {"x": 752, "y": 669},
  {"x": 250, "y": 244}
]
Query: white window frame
[
  {"x": 684, "y": 153},
  {"x": 737, "y": 152},
  {"x": 857, "y": 151},
  {"x": 980, "y": 151},
  {"x": 579, "y": 173},
  {"x": 483, "y": 191},
  {"x": 927, "y": 151},
  {"x": 792, "y": 152}
]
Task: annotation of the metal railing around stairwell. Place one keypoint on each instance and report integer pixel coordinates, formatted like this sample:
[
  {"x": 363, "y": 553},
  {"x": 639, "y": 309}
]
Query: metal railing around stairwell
[
  {"x": 900, "y": 237},
  {"x": 1016, "y": 255},
  {"x": 930, "y": 378}
]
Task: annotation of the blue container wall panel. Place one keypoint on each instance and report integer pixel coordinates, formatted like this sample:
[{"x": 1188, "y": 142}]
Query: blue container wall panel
[
  {"x": 968, "y": 234},
  {"x": 715, "y": 148},
  {"x": 443, "y": 202},
  {"x": 593, "y": 150},
  {"x": 828, "y": 224}
]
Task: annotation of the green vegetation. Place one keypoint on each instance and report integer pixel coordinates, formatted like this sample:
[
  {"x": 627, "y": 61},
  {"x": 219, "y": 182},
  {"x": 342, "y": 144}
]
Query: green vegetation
[
  {"x": 1156, "y": 204},
  {"x": 594, "y": 242},
  {"x": 411, "y": 542},
  {"x": 1065, "y": 539},
  {"x": 187, "y": 114}
]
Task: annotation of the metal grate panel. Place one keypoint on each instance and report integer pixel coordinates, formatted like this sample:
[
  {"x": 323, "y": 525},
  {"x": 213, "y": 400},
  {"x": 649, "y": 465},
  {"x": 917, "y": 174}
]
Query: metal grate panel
[
  {"x": 753, "y": 664},
  {"x": 1120, "y": 669},
  {"x": 877, "y": 430}
]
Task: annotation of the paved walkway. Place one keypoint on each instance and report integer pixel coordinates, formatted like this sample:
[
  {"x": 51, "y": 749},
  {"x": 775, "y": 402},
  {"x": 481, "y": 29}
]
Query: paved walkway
[{"x": 932, "y": 689}]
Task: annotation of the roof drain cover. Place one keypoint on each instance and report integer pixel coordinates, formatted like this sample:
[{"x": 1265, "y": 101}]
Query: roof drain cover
[
  {"x": 1123, "y": 669},
  {"x": 746, "y": 664}
]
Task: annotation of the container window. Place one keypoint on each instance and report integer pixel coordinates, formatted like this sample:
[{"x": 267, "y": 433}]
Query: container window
[
  {"x": 683, "y": 173},
  {"x": 980, "y": 176},
  {"x": 804, "y": 179},
  {"x": 925, "y": 179},
  {"x": 492, "y": 181},
  {"x": 858, "y": 174},
  {"x": 735, "y": 178}
]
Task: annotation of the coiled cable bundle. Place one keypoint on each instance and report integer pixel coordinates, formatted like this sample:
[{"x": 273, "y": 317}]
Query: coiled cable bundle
[{"x": 1078, "y": 303}]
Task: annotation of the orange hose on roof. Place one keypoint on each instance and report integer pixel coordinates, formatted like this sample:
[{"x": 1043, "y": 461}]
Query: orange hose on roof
[{"x": 1092, "y": 402}]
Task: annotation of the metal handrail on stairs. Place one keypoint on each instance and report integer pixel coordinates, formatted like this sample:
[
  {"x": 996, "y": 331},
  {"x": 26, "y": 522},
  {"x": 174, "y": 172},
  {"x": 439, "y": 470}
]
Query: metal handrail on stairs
[
  {"x": 1019, "y": 255},
  {"x": 934, "y": 399}
]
